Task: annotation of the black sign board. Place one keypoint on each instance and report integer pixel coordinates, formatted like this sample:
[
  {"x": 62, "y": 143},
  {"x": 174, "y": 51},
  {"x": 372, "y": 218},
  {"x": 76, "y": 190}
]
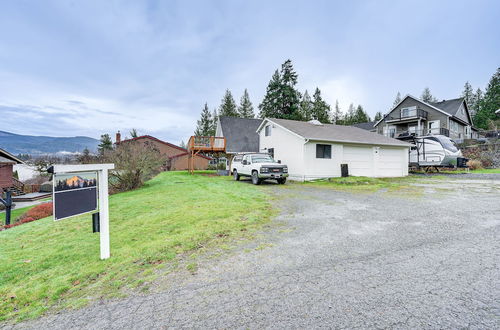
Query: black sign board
[{"x": 74, "y": 194}]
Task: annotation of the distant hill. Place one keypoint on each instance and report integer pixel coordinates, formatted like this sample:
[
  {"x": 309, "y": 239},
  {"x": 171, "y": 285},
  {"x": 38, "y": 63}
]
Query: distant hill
[{"x": 36, "y": 145}]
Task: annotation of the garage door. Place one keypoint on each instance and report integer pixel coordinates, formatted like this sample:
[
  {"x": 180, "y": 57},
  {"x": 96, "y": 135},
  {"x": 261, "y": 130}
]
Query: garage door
[
  {"x": 360, "y": 160},
  {"x": 391, "y": 162}
]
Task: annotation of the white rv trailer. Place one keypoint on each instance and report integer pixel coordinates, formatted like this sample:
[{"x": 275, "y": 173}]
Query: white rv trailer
[{"x": 433, "y": 150}]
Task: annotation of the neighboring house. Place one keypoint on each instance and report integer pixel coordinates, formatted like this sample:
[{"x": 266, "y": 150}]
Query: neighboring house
[
  {"x": 313, "y": 150},
  {"x": 176, "y": 158},
  {"x": 240, "y": 134},
  {"x": 413, "y": 116},
  {"x": 369, "y": 126},
  {"x": 7, "y": 162}
]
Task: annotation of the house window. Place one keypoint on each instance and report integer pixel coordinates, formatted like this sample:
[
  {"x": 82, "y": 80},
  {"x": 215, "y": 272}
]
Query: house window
[
  {"x": 408, "y": 112},
  {"x": 268, "y": 130},
  {"x": 323, "y": 151},
  {"x": 270, "y": 151}
]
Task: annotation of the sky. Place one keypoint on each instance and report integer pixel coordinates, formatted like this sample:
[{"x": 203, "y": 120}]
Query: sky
[{"x": 70, "y": 68}]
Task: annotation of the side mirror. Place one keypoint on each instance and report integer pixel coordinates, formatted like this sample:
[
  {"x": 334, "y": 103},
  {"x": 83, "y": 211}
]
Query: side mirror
[{"x": 244, "y": 162}]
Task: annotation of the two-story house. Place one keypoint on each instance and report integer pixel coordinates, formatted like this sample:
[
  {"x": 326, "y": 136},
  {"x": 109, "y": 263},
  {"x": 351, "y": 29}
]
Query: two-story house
[{"x": 413, "y": 116}]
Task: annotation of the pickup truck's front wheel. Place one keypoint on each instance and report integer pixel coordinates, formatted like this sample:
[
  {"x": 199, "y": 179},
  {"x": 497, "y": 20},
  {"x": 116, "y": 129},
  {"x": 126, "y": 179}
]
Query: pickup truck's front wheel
[
  {"x": 236, "y": 176},
  {"x": 255, "y": 178}
]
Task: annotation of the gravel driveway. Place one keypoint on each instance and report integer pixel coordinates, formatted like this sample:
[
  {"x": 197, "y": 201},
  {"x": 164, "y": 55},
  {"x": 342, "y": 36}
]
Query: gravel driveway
[{"x": 428, "y": 259}]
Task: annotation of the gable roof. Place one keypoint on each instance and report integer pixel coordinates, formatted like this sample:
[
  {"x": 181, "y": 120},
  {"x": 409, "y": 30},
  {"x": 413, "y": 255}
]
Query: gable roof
[
  {"x": 447, "y": 107},
  {"x": 366, "y": 126},
  {"x": 8, "y": 158},
  {"x": 240, "y": 133},
  {"x": 335, "y": 133},
  {"x": 149, "y": 137}
]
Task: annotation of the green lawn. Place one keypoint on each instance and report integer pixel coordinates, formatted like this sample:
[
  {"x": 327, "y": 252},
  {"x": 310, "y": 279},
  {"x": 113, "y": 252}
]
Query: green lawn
[
  {"x": 361, "y": 183},
  {"x": 46, "y": 263},
  {"x": 487, "y": 170}
]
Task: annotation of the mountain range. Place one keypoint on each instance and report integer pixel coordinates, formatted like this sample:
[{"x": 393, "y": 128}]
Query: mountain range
[{"x": 39, "y": 145}]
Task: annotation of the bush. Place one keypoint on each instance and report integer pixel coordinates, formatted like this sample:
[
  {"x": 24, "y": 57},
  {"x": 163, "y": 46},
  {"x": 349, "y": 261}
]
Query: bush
[
  {"x": 474, "y": 164},
  {"x": 38, "y": 212}
]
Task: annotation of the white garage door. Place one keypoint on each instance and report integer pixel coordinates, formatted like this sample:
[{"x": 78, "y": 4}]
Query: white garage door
[
  {"x": 391, "y": 162},
  {"x": 359, "y": 159}
]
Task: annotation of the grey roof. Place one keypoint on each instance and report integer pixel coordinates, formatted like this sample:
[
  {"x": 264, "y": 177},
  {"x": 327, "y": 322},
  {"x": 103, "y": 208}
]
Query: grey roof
[
  {"x": 4, "y": 160},
  {"x": 449, "y": 106},
  {"x": 337, "y": 133},
  {"x": 240, "y": 134},
  {"x": 367, "y": 126},
  {"x": 6, "y": 157}
]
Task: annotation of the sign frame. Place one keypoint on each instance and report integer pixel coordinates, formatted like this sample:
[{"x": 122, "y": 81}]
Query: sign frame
[
  {"x": 102, "y": 192},
  {"x": 54, "y": 191}
]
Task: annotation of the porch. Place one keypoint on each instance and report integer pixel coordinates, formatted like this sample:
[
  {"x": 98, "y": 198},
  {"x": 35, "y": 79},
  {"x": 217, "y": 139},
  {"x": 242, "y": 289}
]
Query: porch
[{"x": 414, "y": 129}]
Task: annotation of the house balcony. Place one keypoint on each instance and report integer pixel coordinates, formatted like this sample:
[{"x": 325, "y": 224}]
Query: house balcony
[
  {"x": 408, "y": 115},
  {"x": 405, "y": 132}
]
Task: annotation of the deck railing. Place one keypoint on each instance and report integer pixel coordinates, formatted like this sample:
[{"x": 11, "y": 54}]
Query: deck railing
[{"x": 207, "y": 143}]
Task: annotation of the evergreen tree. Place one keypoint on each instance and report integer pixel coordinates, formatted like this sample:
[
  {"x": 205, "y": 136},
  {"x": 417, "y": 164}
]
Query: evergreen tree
[
  {"x": 205, "y": 124},
  {"x": 349, "y": 116},
  {"x": 476, "y": 102},
  {"x": 378, "y": 116},
  {"x": 105, "y": 144},
  {"x": 306, "y": 107},
  {"x": 246, "y": 108},
  {"x": 337, "y": 114},
  {"x": 228, "y": 106},
  {"x": 133, "y": 133},
  {"x": 427, "y": 96},
  {"x": 360, "y": 116},
  {"x": 321, "y": 109},
  {"x": 396, "y": 100},
  {"x": 468, "y": 94},
  {"x": 215, "y": 119},
  {"x": 269, "y": 106},
  {"x": 485, "y": 116},
  {"x": 282, "y": 100},
  {"x": 183, "y": 144}
]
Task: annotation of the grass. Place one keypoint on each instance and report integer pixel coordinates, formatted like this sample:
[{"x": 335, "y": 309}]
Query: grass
[
  {"x": 50, "y": 265},
  {"x": 487, "y": 170},
  {"x": 463, "y": 171}
]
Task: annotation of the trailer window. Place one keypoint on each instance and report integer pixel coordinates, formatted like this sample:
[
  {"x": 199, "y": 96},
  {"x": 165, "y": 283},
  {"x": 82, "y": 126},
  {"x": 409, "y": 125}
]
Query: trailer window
[{"x": 447, "y": 143}]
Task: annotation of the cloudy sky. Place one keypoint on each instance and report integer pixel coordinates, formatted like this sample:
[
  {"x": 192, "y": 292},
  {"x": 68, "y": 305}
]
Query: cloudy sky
[{"x": 87, "y": 67}]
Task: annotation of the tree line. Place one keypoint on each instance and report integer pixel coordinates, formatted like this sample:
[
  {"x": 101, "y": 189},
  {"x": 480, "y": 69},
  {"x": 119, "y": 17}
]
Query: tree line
[{"x": 282, "y": 100}]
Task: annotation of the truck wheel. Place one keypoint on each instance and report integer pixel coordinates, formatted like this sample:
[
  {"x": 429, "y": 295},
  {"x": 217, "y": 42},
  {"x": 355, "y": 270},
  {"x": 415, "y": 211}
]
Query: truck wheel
[
  {"x": 282, "y": 181},
  {"x": 236, "y": 176},
  {"x": 255, "y": 178}
]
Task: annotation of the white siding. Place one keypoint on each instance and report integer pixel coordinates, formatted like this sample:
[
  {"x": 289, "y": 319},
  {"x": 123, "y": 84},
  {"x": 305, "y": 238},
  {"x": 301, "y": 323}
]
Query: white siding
[
  {"x": 288, "y": 147},
  {"x": 362, "y": 160}
]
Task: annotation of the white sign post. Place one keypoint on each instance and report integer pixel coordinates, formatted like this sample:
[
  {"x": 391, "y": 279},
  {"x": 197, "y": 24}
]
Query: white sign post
[{"x": 102, "y": 182}]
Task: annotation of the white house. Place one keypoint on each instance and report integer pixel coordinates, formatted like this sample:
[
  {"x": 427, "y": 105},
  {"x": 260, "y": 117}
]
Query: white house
[{"x": 313, "y": 150}]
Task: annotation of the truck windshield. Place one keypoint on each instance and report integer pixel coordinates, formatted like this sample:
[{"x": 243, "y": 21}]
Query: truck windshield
[
  {"x": 262, "y": 159},
  {"x": 447, "y": 143}
]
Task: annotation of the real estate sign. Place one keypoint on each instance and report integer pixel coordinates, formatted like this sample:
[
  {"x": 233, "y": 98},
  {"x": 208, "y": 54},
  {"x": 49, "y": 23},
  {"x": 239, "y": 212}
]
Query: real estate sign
[
  {"x": 74, "y": 194},
  {"x": 80, "y": 189}
]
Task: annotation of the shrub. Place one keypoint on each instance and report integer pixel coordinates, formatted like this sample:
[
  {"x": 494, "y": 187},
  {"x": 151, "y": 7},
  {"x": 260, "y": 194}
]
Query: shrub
[
  {"x": 474, "y": 164},
  {"x": 39, "y": 212}
]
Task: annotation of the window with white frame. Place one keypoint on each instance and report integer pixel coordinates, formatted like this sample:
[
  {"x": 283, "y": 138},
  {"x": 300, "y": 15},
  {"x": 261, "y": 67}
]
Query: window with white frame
[{"x": 268, "y": 130}]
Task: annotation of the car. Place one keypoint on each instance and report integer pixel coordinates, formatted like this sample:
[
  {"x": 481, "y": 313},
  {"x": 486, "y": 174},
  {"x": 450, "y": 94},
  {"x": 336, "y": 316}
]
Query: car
[{"x": 259, "y": 167}]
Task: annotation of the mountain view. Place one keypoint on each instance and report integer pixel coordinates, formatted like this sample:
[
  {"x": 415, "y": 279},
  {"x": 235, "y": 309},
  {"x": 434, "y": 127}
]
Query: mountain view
[{"x": 37, "y": 145}]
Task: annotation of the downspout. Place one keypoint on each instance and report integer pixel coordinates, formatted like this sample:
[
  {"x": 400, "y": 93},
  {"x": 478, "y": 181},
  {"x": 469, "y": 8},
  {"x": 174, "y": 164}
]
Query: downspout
[{"x": 304, "y": 159}]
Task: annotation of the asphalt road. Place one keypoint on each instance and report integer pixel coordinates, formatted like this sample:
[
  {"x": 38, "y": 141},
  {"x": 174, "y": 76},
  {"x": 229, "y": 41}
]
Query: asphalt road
[{"x": 428, "y": 259}]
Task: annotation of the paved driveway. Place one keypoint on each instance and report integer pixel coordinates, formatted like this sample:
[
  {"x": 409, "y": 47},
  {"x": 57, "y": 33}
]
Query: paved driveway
[{"x": 339, "y": 260}]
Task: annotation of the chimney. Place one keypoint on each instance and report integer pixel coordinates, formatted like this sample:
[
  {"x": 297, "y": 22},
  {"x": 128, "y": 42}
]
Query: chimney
[{"x": 118, "y": 137}]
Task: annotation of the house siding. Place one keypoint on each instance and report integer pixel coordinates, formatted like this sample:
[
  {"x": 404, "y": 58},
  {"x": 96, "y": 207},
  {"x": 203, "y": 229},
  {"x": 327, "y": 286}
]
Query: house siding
[
  {"x": 6, "y": 172},
  {"x": 173, "y": 163}
]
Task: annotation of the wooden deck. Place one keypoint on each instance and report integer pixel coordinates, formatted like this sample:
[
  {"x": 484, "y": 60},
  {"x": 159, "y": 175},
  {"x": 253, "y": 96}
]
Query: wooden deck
[{"x": 204, "y": 145}]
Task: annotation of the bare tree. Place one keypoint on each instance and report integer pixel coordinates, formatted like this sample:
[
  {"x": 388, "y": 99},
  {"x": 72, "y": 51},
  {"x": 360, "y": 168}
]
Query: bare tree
[{"x": 135, "y": 163}]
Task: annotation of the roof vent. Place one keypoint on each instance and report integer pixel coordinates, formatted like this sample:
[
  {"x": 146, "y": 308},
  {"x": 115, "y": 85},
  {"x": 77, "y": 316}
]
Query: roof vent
[{"x": 315, "y": 122}]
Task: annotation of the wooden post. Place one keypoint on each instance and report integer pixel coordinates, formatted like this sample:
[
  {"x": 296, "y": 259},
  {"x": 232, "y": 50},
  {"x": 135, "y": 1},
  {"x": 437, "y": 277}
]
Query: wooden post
[{"x": 104, "y": 213}]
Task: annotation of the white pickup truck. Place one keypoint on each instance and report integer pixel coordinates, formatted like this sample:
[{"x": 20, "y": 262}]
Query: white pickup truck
[{"x": 258, "y": 166}]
